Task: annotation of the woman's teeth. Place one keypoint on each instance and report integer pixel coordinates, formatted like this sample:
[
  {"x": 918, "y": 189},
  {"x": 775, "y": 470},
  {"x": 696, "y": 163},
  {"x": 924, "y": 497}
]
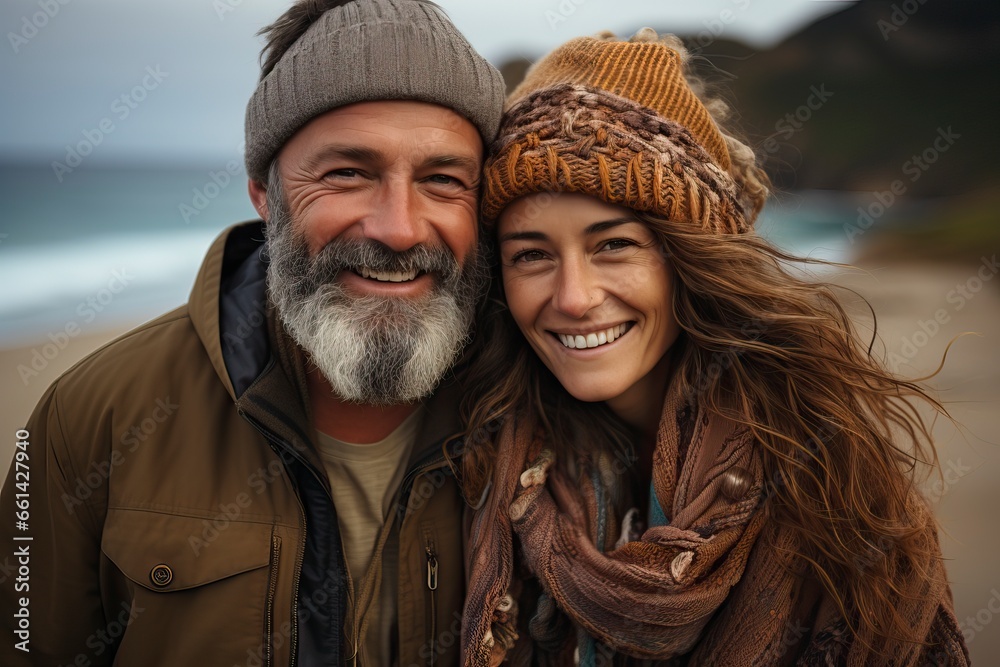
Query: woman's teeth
[
  {"x": 594, "y": 339},
  {"x": 386, "y": 276}
]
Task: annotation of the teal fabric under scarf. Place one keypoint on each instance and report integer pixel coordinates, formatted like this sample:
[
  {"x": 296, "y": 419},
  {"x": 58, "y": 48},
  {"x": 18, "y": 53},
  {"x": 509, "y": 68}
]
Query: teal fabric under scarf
[
  {"x": 588, "y": 645},
  {"x": 656, "y": 515}
]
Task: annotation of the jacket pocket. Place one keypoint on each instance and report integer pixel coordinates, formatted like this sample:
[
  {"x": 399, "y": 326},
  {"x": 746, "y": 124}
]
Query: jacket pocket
[{"x": 199, "y": 588}]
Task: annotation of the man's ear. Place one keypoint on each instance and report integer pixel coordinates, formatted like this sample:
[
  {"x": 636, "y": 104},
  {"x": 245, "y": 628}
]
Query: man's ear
[{"x": 258, "y": 195}]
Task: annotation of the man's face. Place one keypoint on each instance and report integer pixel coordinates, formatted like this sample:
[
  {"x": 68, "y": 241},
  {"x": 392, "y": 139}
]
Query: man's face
[
  {"x": 398, "y": 172},
  {"x": 372, "y": 239}
]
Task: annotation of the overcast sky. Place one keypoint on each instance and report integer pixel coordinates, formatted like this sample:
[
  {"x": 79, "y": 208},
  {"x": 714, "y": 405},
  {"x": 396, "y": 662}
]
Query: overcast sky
[{"x": 167, "y": 82}]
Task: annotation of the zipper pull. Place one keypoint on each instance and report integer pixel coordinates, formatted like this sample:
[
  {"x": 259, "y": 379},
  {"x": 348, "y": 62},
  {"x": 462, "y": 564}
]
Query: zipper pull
[{"x": 432, "y": 570}]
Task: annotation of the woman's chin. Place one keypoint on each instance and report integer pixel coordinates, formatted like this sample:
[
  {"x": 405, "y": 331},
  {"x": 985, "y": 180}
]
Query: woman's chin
[{"x": 590, "y": 391}]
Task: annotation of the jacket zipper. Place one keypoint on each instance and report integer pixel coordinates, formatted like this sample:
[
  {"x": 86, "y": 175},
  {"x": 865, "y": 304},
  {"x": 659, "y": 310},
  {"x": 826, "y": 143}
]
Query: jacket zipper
[
  {"x": 432, "y": 585},
  {"x": 300, "y": 556},
  {"x": 427, "y": 464},
  {"x": 269, "y": 620}
]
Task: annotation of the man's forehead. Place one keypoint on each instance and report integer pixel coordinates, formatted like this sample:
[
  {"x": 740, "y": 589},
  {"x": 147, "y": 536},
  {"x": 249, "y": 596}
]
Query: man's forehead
[
  {"x": 391, "y": 114},
  {"x": 388, "y": 130},
  {"x": 429, "y": 156}
]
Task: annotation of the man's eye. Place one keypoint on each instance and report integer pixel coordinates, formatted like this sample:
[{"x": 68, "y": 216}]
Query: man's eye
[
  {"x": 342, "y": 173},
  {"x": 444, "y": 179}
]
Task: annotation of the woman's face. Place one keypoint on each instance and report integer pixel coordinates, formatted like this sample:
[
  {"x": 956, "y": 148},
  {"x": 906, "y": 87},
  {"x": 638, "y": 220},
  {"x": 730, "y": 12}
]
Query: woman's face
[{"x": 591, "y": 289}]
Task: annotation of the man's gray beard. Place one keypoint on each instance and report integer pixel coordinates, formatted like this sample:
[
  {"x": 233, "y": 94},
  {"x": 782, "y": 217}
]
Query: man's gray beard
[{"x": 372, "y": 349}]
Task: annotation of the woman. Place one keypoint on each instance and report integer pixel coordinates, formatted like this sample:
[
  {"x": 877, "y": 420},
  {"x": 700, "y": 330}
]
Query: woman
[{"x": 689, "y": 458}]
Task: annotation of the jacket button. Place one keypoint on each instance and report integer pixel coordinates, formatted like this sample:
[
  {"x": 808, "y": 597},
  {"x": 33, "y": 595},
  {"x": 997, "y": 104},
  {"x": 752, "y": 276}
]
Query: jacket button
[{"x": 161, "y": 575}]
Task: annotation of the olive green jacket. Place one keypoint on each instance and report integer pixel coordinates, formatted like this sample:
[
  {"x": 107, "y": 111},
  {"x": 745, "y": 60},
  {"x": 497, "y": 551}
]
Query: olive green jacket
[{"x": 177, "y": 514}]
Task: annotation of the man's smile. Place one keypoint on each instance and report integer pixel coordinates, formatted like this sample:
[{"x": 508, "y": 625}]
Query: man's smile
[{"x": 387, "y": 276}]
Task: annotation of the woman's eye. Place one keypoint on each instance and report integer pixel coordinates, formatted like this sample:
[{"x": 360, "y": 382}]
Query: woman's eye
[
  {"x": 526, "y": 256},
  {"x": 617, "y": 244}
]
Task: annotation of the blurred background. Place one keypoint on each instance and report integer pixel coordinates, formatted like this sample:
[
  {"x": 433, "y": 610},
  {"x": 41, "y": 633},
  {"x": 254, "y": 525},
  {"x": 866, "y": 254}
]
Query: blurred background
[{"x": 121, "y": 158}]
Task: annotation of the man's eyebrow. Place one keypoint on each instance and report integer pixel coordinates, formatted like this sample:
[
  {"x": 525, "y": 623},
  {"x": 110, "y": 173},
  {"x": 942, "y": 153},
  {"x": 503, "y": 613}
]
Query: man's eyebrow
[
  {"x": 332, "y": 151},
  {"x": 462, "y": 161},
  {"x": 593, "y": 228},
  {"x": 364, "y": 154}
]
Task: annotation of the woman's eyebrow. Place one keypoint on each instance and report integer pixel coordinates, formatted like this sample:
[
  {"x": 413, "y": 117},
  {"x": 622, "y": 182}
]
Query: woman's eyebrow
[
  {"x": 523, "y": 236},
  {"x": 608, "y": 224},
  {"x": 592, "y": 228}
]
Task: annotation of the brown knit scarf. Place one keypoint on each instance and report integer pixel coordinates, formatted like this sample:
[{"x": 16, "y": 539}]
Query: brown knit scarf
[{"x": 716, "y": 584}]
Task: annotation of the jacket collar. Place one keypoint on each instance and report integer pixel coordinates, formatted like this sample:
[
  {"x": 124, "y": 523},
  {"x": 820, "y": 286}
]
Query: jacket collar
[
  {"x": 228, "y": 303},
  {"x": 250, "y": 350}
]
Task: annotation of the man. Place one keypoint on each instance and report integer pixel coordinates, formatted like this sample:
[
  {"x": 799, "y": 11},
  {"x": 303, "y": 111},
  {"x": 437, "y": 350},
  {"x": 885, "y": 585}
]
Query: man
[{"x": 259, "y": 477}]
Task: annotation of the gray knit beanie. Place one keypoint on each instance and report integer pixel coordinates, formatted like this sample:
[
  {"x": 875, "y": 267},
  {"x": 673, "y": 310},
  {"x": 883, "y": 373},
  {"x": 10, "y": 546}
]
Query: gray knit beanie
[{"x": 370, "y": 50}]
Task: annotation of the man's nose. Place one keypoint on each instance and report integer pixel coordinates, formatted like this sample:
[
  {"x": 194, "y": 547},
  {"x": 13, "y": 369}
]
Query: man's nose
[
  {"x": 397, "y": 219},
  {"x": 577, "y": 289}
]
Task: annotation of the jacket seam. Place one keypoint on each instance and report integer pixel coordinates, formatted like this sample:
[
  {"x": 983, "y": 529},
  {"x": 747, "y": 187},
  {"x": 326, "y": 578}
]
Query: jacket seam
[
  {"x": 67, "y": 457},
  {"x": 189, "y": 513},
  {"x": 142, "y": 583},
  {"x": 149, "y": 326}
]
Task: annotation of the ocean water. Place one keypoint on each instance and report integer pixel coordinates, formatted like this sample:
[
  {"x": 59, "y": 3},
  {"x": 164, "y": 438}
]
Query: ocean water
[{"x": 105, "y": 248}]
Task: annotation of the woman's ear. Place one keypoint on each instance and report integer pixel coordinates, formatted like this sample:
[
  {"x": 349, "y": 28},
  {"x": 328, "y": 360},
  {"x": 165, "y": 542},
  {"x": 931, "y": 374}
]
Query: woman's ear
[{"x": 258, "y": 196}]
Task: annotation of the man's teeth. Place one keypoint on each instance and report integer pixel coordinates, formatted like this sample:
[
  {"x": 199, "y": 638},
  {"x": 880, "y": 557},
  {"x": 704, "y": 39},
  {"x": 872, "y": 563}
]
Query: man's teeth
[
  {"x": 593, "y": 339},
  {"x": 387, "y": 276}
]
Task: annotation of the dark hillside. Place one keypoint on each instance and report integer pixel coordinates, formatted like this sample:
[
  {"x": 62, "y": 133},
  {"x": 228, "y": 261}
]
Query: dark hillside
[{"x": 885, "y": 80}]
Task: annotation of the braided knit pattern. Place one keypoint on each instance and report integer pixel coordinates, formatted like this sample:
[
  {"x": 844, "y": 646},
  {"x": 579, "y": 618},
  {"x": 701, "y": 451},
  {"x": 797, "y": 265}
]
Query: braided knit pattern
[
  {"x": 573, "y": 138},
  {"x": 643, "y": 68}
]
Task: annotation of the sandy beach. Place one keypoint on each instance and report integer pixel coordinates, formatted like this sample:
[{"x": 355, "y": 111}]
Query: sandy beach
[
  {"x": 920, "y": 308},
  {"x": 25, "y": 375}
]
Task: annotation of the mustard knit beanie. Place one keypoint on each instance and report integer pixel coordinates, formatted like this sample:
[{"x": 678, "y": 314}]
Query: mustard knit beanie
[
  {"x": 370, "y": 50},
  {"x": 618, "y": 121}
]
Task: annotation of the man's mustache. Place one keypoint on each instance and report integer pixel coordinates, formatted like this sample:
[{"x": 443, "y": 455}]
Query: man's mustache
[{"x": 355, "y": 254}]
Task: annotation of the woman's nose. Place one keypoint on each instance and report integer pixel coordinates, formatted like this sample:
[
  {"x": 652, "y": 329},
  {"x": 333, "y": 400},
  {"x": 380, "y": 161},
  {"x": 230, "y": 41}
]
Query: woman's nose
[{"x": 576, "y": 290}]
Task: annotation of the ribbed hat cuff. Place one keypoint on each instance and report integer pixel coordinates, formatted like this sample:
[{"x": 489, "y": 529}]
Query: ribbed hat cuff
[{"x": 398, "y": 51}]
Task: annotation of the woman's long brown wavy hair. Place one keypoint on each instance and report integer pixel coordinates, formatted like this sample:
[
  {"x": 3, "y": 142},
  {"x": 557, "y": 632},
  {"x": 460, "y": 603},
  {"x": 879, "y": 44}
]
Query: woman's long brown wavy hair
[{"x": 840, "y": 436}]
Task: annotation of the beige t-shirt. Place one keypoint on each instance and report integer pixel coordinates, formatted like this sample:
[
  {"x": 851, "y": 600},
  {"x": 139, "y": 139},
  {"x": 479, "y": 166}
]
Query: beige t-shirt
[{"x": 364, "y": 480}]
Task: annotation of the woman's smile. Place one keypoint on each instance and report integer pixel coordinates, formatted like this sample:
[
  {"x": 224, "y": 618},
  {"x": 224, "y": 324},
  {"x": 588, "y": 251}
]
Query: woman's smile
[{"x": 599, "y": 338}]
